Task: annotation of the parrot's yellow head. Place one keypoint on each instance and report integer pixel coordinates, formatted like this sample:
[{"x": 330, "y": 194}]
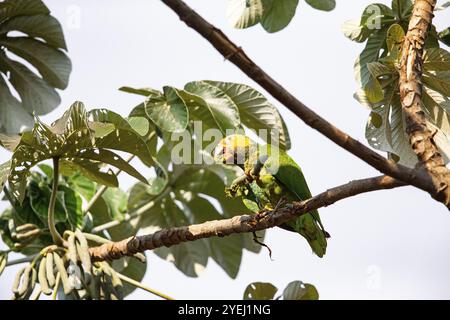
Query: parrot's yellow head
[{"x": 234, "y": 149}]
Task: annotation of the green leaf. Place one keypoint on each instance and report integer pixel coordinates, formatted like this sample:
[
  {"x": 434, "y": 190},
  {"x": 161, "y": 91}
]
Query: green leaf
[
  {"x": 122, "y": 138},
  {"x": 40, "y": 199},
  {"x": 255, "y": 111},
  {"x": 444, "y": 36},
  {"x": 436, "y": 59},
  {"x": 353, "y": 30},
  {"x": 438, "y": 81},
  {"x": 402, "y": 9},
  {"x": 116, "y": 199},
  {"x": 135, "y": 270},
  {"x": 168, "y": 112},
  {"x": 260, "y": 291},
  {"x": 90, "y": 170},
  {"x": 227, "y": 254},
  {"x": 14, "y": 8},
  {"x": 221, "y": 106},
  {"x": 437, "y": 109},
  {"x": 395, "y": 37},
  {"x": 52, "y": 64},
  {"x": 362, "y": 74},
  {"x": 35, "y": 93},
  {"x": 9, "y": 142},
  {"x": 73, "y": 204},
  {"x": 82, "y": 185},
  {"x": 109, "y": 157},
  {"x": 298, "y": 290},
  {"x": 325, "y": 5},
  {"x": 4, "y": 173},
  {"x": 141, "y": 91},
  {"x": 41, "y": 26},
  {"x": 244, "y": 13},
  {"x": 190, "y": 258},
  {"x": 278, "y": 14}
]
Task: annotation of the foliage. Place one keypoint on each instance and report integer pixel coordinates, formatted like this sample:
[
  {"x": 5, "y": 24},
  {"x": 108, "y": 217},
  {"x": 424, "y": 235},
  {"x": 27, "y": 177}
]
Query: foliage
[
  {"x": 82, "y": 141},
  {"x": 42, "y": 45},
  {"x": 377, "y": 74},
  {"x": 273, "y": 15},
  {"x": 296, "y": 290}
]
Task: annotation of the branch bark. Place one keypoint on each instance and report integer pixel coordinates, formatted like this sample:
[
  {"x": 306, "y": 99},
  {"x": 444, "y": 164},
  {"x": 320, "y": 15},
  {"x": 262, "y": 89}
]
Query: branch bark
[
  {"x": 238, "y": 224},
  {"x": 421, "y": 137},
  {"x": 235, "y": 54}
]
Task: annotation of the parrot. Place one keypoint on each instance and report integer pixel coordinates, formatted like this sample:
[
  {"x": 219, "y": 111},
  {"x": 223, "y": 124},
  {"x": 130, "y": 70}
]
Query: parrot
[{"x": 271, "y": 178}]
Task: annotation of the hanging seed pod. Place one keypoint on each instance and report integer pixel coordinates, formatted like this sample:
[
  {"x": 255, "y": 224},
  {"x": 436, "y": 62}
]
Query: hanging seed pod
[
  {"x": 3, "y": 261},
  {"x": 83, "y": 253},
  {"x": 72, "y": 249},
  {"x": 63, "y": 273},
  {"x": 42, "y": 277},
  {"x": 16, "y": 282},
  {"x": 26, "y": 227},
  {"x": 28, "y": 236},
  {"x": 49, "y": 270},
  {"x": 26, "y": 281}
]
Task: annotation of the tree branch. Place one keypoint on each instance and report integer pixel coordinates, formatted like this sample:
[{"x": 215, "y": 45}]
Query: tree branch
[
  {"x": 235, "y": 54},
  {"x": 420, "y": 135},
  {"x": 238, "y": 224}
]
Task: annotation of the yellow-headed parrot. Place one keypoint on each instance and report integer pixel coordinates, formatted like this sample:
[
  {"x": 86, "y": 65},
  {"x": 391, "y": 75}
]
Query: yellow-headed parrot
[{"x": 275, "y": 178}]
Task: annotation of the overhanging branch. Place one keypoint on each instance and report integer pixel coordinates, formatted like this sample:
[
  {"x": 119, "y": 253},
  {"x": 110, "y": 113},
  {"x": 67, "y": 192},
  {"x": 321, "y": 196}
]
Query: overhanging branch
[
  {"x": 238, "y": 224},
  {"x": 235, "y": 54}
]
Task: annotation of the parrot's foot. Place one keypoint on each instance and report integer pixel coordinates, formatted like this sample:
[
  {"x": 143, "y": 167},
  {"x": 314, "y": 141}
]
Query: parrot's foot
[
  {"x": 255, "y": 239},
  {"x": 265, "y": 213}
]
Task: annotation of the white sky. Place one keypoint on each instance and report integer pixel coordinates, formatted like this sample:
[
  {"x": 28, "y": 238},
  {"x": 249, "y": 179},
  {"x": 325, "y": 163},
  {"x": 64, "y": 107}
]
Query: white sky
[{"x": 384, "y": 245}]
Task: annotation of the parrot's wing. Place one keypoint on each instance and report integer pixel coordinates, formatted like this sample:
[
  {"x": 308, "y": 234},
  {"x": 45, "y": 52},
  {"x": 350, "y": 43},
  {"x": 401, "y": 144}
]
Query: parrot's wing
[{"x": 289, "y": 174}]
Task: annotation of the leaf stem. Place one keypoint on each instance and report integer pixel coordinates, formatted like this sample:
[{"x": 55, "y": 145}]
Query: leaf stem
[
  {"x": 137, "y": 284},
  {"x": 57, "y": 239}
]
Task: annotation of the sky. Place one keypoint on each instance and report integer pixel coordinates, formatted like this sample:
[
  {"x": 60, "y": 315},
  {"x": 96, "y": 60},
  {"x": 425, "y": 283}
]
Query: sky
[{"x": 384, "y": 245}]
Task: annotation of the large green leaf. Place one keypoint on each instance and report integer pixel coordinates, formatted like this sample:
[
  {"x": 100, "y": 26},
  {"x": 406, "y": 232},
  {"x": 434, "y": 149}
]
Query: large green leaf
[
  {"x": 168, "y": 111},
  {"x": 436, "y": 59},
  {"x": 14, "y": 8},
  {"x": 221, "y": 106},
  {"x": 278, "y": 14},
  {"x": 37, "y": 26},
  {"x": 36, "y": 94},
  {"x": 13, "y": 117},
  {"x": 39, "y": 46},
  {"x": 402, "y": 8},
  {"x": 244, "y": 13},
  {"x": 325, "y": 5},
  {"x": 298, "y": 290},
  {"x": 260, "y": 291},
  {"x": 53, "y": 65},
  {"x": 255, "y": 111},
  {"x": 370, "y": 54},
  {"x": 438, "y": 81},
  {"x": 444, "y": 36}
]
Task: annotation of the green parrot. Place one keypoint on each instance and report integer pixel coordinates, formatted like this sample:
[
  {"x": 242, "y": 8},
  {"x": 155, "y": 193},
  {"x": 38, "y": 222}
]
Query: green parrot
[{"x": 271, "y": 178}]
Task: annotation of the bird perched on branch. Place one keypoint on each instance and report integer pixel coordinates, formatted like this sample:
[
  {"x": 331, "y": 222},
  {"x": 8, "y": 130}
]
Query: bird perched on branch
[{"x": 271, "y": 179}]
